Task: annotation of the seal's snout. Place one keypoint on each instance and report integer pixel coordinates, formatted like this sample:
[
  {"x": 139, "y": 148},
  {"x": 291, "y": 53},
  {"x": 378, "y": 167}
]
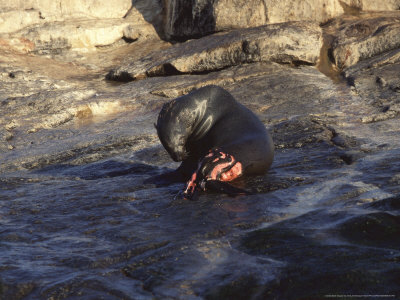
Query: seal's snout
[{"x": 179, "y": 155}]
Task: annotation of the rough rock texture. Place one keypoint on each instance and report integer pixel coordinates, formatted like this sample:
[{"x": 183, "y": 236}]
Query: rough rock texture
[
  {"x": 365, "y": 48},
  {"x": 142, "y": 24},
  {"x": 362, "y": 38},
  {"x": 292, "y": 43},
  {"x": 81, "y": 219},
  {"x": 79, "y": 34},
  {"x": 377, "y": 80},
  {"x": 292, "y": 10},
  {"x": 16, "y": 15},
  {"x": 50, "y": 28},
  {"x": 190, "y": 19},
  {"x": 372, "y": 5}
]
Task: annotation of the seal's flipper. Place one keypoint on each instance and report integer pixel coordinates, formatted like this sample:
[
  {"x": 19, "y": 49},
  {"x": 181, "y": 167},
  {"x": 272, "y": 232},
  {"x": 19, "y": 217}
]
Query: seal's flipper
[
  {"x": 193, "y": 196},
  {"x": 224, "y": 187}
]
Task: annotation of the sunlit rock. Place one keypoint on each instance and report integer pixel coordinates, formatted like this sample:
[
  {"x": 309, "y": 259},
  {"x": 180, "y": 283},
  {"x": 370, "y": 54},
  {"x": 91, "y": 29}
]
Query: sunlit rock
[
  {"x": 359, "y": 38},
  {"x": 186, "y": 19},
  {"x": 292, "y": 43},
  {"x": 294, "y": 10},
  {"x": 16, "y": 15},
  {"x": 76, "y": 34},
  {"x": 372, "y": 4}
]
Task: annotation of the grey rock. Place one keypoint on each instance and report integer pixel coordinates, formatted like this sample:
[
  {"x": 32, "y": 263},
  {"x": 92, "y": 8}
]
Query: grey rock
[
  {"x": 292, "y": 43},
  {"x": 377, "y": 81}
]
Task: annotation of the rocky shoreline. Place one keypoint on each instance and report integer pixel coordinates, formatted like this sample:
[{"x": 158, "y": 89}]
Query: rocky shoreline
[{"x": 81, "y": 86}]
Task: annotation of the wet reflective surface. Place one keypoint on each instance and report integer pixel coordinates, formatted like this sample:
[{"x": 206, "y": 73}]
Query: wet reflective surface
[
  {"x": 79, "y": 220},
  {"x": 96, "y": 230}
]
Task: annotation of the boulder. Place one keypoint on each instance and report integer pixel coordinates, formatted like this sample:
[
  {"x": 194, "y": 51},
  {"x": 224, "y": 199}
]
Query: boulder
[
  {"x": 292, "y": 43},
  {"x": 79, "y": 34},
  {"x": 188, "y": 19},
  {"x": 361, "y": 37},
  {"x": 68, "y": 9},
  {"x": 377, "y": 81},
  {"x": 294, "y": 10},
  {"x": 191, "y": 19},
  {"x": 140, "y": 24},
  {"x": 14, "y": 20},
  {"x": 74, "y": 34},
  {"x": 16, "y": 15},
  {"x": 151, "y": 11},
  {"x": 184, "y": 19},
  {"x": 371, "y": 4}
]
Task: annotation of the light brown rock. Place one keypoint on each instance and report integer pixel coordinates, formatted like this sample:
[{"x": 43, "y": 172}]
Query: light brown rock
[
  {"x": 139, "y": 27},
  {"x": 239, "y": 15},
  {"x": 151, "y": 11},
  {"x": 15, "y": 15},
  {"x": 294, "y": 10},
  {"x": 185, "y": 19},
  {"x": 11, "y": 21},
  {"x": 365, "y": 36},
  {"x": 295, "y": 43},
  {"x": 83, "y": 35},
  {"x": 190, "y": 19},
  {"x": 78, "y": 34},
  {"x": 372, "y": 4}
]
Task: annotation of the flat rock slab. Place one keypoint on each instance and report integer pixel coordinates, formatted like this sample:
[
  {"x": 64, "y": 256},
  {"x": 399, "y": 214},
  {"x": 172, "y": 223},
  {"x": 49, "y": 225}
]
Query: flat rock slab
[{"x": 296, "y": 43}]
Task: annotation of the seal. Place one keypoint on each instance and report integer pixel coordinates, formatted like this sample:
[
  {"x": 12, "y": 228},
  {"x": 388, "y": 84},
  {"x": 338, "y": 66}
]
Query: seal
[{"x": 216, "y": 138}]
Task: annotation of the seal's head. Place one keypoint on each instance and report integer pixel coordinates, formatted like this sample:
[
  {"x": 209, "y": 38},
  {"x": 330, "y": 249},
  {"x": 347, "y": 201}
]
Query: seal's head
[{"x": 173, "y": 129}]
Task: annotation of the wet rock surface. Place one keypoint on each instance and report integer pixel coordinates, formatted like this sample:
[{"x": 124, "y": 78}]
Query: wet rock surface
[{"x": 80, "y": 220}]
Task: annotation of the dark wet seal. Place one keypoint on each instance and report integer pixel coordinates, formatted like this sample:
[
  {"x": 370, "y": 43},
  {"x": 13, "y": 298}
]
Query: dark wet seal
[{"x": 216, "y": 138}]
